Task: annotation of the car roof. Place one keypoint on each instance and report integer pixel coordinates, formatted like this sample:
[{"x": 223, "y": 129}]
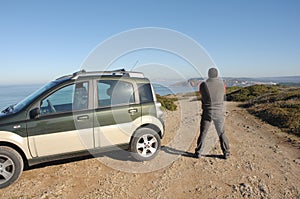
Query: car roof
[{"x": 113, "y": 73}]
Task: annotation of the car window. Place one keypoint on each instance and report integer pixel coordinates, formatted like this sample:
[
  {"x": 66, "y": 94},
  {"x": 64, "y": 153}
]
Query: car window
[
  {"x": 114, "y": 92},
  {"x": 80, "y": 100},
  {"x": 68, "y": 98},
  {"x": 145, "y": 93}
]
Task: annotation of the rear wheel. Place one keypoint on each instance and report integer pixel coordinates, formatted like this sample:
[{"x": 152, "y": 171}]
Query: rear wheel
[
  {"x": 11, "y": 166},
  {"x": 145, "y": 144}
]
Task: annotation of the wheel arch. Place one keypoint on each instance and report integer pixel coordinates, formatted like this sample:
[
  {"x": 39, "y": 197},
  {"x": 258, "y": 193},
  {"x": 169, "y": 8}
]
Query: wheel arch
[
  {"x": 153, "y": 127},
  {"x": 150, "y": 126},
  {"x": 18, "y": 149}
]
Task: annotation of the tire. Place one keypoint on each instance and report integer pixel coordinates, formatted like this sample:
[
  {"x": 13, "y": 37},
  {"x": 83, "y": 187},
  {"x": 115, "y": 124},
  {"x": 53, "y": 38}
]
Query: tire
[
  {"x": 11, "y": 166},
  {"x": 145, "y": 144}
]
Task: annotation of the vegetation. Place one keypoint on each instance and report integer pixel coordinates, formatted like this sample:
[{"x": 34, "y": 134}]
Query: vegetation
[
  {"x": 276, "y": 105},
  {"x": 232, "y": 89},
  {"x": 243, "y": 94},
  {"x": 167, "y": 102}
]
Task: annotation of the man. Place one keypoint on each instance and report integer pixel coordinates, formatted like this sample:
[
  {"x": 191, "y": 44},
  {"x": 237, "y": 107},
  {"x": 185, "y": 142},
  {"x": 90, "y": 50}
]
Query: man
[{"x": 212, "y": 92}]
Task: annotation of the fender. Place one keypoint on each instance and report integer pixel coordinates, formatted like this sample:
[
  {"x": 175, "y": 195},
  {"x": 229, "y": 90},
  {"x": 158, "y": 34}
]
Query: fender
[
  {"x": 21, "y": 142},
  {"x": 148, "y": 119}
]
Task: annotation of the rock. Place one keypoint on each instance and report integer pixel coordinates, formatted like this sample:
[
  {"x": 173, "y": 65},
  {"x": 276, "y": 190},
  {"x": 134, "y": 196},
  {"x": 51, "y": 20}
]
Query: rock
[
  {"x": 246, "y": 190},
  {"x": 263, "y": 188},
  {"x": 235, "y": 188},
  {"x": 270, "y": 176},
  {"x": 297, "y": 161},
  {"x": 198, "y": 189}
]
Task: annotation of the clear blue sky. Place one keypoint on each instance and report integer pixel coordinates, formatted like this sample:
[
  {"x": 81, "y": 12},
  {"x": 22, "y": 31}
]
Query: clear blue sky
[{"x": 41, "y": 40}]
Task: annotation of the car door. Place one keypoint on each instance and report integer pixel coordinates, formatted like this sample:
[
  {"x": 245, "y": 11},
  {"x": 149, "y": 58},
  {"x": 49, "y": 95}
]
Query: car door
[
  {"x": 117, "y": 114},
  {"x": 65, "y": 123}
]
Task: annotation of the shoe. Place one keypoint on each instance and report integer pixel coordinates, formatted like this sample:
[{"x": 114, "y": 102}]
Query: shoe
[
  {"x": 226, "y": 155},
  {"x": 197, "y": 155}
]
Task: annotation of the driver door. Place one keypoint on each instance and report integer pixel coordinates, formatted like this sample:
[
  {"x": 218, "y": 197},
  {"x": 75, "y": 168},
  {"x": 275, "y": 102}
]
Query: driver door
[{"x": 65, "y": 123}]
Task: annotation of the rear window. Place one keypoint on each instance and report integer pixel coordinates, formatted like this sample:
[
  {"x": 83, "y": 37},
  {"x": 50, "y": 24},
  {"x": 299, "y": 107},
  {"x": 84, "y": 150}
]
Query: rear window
[
  {"x": 145, "y": 93},
  {"x": 115, "y": 92}
]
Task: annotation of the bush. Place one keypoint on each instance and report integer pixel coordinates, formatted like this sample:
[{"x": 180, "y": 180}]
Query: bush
[
  {"x": 279, "y": 107},
  {"x": 250, "y": 92},
  {"x": 276, "y": 105},
  {"x": 167, "y": 102},
  {"x": 285, "y": 117}
]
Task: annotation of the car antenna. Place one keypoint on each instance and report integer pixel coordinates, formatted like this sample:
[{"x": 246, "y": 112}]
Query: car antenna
[{"x": 134, "y": 65}]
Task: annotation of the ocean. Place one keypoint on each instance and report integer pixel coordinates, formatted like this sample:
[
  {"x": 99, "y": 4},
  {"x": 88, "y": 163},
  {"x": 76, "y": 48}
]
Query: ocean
[{"x": 12, "y": 94}]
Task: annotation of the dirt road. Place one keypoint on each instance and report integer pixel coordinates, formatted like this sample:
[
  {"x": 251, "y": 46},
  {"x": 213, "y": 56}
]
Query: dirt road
[{"x": 265, "y": 163}]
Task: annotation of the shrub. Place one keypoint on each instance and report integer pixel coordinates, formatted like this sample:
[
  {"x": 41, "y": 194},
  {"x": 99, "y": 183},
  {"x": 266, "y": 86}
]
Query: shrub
[
  {"x": 250, "y": 92},
  {"x": 232, "y": 89},
  {"x": 167, "y": 102},
  {"x": 276, "y": 105},
  {"x": 279, "y": 107}
]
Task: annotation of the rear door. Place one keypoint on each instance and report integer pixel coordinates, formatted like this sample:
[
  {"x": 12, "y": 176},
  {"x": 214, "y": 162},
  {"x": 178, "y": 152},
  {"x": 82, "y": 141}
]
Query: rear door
[{"x": 118, "y": 112}]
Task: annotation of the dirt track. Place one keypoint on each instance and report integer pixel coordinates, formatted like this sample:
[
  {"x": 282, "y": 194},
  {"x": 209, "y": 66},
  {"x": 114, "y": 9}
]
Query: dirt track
[{"x": 265, "y": 163}]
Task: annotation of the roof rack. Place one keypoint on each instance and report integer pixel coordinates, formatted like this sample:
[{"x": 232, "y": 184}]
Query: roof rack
[{"x": 119, "y": 72}]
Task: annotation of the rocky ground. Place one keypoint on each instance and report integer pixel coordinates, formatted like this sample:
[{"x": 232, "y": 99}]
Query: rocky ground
[{"x": 265, "y": 163}]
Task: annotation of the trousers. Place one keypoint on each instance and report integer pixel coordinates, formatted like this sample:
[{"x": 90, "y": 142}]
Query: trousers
[{"x": 219, "y": 122}]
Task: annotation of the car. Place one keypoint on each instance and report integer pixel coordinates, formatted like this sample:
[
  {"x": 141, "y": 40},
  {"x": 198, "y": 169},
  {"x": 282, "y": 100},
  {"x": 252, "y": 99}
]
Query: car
[{"x": 78, "y": 114}]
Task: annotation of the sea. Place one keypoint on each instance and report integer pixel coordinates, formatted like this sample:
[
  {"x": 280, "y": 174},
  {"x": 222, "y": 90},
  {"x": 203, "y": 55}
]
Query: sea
[{"x": 12, "y": 94}]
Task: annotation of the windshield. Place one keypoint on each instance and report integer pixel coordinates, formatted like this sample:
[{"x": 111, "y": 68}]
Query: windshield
[{"x": 25, "y": 102}]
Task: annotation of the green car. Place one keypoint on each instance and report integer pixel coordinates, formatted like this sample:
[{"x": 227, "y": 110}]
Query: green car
[{"x": 81, "y": 113}]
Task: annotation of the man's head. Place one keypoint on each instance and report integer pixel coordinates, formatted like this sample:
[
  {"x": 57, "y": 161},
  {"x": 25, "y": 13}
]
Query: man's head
[{"x": 212, "y": 73}]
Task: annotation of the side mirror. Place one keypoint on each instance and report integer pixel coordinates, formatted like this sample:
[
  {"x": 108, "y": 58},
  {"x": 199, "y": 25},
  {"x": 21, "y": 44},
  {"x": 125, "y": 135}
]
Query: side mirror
[{"x": 34, "y": 113}]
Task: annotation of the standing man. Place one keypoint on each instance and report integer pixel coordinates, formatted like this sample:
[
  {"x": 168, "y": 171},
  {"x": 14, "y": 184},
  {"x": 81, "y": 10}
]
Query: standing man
[{"x": 212, "y": 92}]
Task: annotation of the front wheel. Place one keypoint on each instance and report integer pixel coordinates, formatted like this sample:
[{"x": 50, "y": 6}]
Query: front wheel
[
  {"x": 11, "y": 166},
  {"x": 145, "y": 144}
]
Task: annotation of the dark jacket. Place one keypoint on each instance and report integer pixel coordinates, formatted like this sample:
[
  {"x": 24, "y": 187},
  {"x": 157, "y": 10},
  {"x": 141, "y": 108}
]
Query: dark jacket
[{"x": 212, "y": 92}]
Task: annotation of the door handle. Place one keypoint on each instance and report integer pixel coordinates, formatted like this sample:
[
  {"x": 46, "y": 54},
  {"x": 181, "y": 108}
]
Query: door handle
[
  {"x": 132, "y": 111},
  {"x": 83, "y": 117}
]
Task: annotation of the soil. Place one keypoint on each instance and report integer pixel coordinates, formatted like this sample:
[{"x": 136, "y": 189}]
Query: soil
[{"x": 264, "y": 163}]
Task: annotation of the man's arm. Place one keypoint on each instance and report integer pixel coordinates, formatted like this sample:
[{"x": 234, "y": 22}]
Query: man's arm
[{"x": 201, "y": 88}]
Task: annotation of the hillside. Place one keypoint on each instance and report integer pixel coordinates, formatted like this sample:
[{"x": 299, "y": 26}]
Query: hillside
[
  {"x": 277, "y": 105},
  {"x": 246, "y": 81}
]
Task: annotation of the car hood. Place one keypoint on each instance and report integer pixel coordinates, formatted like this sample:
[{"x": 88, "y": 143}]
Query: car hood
[
  {"x": 2, "y": 115},
  {"x": 6, "y": 113}
]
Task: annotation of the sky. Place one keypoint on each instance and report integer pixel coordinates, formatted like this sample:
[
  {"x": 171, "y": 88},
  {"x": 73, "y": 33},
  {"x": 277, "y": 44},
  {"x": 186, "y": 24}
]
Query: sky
[{"x": 42, "y": 40}]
